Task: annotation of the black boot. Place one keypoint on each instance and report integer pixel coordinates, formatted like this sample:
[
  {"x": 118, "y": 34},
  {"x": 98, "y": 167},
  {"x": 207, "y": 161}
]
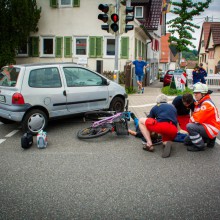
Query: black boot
[
  {"x": 211, "y": 142},
  {"x": 187, "y": 141},
  {"x": 193, "y": 148}
]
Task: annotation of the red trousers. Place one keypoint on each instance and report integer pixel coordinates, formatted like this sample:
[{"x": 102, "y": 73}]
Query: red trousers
[
  {"x": 183, "y": 120},
  {"x": 167, "y": 130}
]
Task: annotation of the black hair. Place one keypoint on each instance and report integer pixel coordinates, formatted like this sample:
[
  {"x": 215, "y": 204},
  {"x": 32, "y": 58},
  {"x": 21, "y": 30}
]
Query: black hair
[{"x": 187, "y": 98}]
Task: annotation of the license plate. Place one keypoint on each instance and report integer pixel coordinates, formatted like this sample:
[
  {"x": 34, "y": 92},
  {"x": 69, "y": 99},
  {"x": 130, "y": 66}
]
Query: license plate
[{"x": 2, "y": 98}]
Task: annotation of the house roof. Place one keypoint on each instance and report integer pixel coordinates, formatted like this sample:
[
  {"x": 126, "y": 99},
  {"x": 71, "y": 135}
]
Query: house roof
[
  {"x": 191, "y": 64},
  {"x": 206, "y": 29},
  {"x": 165, "y": 50},
  {"x": 215, "y": 30},
  {"x": 154, "y": 10},
  {"x": 139, "y": 1}
]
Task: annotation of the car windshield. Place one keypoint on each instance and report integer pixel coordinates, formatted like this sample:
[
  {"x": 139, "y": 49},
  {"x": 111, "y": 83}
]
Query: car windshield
[
  {"x": 170, "y": 72},
  {"x": 178, "y": 72},
  {"x": 8, "y": 76}
]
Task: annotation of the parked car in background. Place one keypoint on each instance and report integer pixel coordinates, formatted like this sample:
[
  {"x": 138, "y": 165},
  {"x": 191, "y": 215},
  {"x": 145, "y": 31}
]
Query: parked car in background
[
  {"x": 161, "y": 74},
  {"x": 169, "y": 74},
  {"x": 168, "y": 77},
  {"x": 34, "y": 93}
]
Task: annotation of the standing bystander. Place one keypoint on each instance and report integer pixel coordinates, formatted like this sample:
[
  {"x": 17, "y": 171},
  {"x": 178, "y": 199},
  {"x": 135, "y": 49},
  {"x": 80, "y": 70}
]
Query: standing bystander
[{"x": 140, "y": 66}]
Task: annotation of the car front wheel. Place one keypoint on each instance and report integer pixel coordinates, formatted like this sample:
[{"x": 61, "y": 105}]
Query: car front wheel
[
  {"x": 34, "y": 121},
  {"x": 117, "y": 104}
]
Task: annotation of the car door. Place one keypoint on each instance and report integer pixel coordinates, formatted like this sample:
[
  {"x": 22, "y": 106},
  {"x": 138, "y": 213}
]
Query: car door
[
  {"x": 43, "y": 86},
  {"x": 85, "y": 90}
]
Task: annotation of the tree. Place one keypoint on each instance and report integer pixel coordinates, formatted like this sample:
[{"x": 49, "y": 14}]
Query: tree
[
  {"x": 182, "y": 25},
  {"x": 18, "y": 19},
  {"x": 190, "y": 54}
]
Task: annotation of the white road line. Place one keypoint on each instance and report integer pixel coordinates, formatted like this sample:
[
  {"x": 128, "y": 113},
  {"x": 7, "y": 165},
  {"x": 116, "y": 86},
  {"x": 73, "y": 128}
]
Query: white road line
[
  {"x": 139, "y": 106},
  {"x": 2, "y": 140},
  {"x": 12, "y": 133},
  {"x": 217, "y": 141}
]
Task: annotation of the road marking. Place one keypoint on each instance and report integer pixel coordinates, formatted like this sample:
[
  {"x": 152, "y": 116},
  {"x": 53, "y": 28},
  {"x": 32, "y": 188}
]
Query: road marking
[
  {"x": 2, "y": 140},
  {"x": 139, "y": 106},
  {"x": 12, "y": 133},
  {"x": 1, "y": 123},
  {"x": 217, "y": 141}
]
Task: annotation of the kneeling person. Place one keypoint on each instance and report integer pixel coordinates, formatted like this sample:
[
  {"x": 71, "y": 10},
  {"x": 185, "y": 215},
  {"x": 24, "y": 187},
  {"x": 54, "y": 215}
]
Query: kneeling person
[{"x": 162, "y": 120}]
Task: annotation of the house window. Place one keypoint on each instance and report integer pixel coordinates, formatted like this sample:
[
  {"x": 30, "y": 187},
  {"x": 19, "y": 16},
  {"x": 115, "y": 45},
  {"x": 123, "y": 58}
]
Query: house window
[
  {"x": 48, "y": 46},
  {"x": 65, "y": 3},
  {"x": 80, "y": 46},
  {"x": 110, "y": 47},
  {"x": 23, "y": 50},
  {"x": 202, "y": 43},
  {"x": 138, "y": 12}
]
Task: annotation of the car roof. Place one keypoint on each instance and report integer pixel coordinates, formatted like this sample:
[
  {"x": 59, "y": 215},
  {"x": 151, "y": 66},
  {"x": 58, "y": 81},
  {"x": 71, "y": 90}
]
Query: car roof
[{"x": 46, "y": 64}]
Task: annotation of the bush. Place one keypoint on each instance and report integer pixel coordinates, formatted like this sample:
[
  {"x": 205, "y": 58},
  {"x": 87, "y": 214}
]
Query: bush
[
  {"x": 130, "y": 90},
  {"x": 110, "y": 74},
  {"x": 169, "y": 91}
]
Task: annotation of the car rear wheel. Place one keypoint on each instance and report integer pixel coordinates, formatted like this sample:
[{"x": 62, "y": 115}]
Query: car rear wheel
[
  {"x": 117, "y": 104},
  {"x": 34, "y": 121}
]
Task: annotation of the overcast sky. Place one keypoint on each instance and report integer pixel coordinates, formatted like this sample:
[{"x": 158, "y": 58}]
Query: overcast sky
[{"x": 213, "y": 12}]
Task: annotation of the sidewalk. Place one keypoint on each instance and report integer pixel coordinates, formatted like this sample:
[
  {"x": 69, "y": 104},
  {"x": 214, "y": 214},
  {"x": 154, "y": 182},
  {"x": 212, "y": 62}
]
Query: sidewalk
[{"x": 141, "y": 103}]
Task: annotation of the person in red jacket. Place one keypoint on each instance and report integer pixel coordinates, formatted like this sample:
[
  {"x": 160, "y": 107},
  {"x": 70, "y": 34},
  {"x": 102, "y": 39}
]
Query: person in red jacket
[{"x": 204, "y": 123}]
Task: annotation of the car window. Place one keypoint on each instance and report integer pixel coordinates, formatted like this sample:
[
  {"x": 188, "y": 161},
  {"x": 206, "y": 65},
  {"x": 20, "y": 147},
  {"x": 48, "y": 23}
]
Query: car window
[
  {"x": 170, "y": 72},
  {"x": 9, "y": 76},
  {"x": 45, "y": 78},
  {"x": 81, "y": 77},
  {"x": 178, "y": 72}
]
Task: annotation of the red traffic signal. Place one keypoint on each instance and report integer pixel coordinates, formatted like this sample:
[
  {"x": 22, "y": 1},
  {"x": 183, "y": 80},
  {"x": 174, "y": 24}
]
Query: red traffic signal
[
  {"x": 114, "y": 25},
  {"x": 114, "y": 18}
]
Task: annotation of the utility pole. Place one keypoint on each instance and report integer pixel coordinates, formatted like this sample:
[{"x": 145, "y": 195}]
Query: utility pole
[{"x": 116, "y": 71}]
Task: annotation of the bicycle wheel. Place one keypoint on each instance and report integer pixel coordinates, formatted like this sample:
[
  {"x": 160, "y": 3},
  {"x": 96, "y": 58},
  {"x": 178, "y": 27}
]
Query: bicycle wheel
[{"x": 88, "y": 133}]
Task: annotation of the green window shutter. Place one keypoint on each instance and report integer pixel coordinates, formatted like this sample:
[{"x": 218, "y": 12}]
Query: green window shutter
[
  {"x": 53, "y": 3},
  {"x": 135, "y": 50},
  {"x": 124, "y": 47},
  {"x": 67, "y": 46},
  {"x": 99, "y": 43},
  {"x": 59, "y": 46},
  {"x": 92, "y": 46},
  {"x": 76, "y": 3},
  {"x": 34, "y": 46}
]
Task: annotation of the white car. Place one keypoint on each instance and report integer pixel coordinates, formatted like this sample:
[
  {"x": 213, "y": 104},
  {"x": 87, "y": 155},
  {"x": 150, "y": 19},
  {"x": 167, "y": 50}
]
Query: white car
[{"x": 34, "y": 93}]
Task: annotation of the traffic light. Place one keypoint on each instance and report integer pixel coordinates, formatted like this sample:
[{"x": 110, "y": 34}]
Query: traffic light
[
  {"x": 106, "y": 17},
  {"x": 125, "y": 18},
  {"x": 114, "y": 25}
]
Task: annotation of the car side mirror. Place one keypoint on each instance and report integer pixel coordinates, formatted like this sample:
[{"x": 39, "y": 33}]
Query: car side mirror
[{"x": 105, "y": 82}]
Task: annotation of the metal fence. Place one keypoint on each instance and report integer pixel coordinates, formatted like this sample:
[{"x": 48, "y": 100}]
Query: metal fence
[{"x": 212, "y": 80}]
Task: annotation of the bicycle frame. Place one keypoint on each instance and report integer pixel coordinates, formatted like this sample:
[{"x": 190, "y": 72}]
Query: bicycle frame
[{"x": 111, "y": 119}]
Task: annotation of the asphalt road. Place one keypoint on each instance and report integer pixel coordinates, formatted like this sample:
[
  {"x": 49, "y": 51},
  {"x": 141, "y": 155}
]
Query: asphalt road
[{"x": 110, "y": 177}]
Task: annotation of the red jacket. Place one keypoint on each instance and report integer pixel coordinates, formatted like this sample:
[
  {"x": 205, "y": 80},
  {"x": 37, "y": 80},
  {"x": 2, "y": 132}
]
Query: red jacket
[{"x": 206, "y": 113}]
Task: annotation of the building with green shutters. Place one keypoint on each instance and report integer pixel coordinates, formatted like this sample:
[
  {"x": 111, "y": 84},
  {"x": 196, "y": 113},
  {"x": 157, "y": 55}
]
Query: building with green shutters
[{"x": 69, "y": 31}]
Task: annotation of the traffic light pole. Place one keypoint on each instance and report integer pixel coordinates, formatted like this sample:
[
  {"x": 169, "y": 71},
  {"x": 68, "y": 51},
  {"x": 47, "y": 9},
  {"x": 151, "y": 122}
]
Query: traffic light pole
[{"x": 116, "y": 71}]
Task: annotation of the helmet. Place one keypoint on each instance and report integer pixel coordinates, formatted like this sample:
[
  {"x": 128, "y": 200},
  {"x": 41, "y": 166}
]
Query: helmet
[{"x": 200, "y": 87}]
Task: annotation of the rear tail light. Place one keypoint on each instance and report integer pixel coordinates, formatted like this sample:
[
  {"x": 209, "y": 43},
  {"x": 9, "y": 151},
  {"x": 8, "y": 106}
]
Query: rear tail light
[{"x": 17, "y": 99}]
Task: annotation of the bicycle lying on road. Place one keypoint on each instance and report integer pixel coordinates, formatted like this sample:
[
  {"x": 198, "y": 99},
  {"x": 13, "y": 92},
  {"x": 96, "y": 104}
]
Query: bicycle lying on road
[{"x": 109, "y": 122}]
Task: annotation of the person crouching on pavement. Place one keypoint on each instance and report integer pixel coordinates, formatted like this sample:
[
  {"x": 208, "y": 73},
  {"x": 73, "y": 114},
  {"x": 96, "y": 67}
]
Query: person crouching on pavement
[
  {"x": 205, "y": 122},
  {"x": 161, "y": 120},
  {"x": 183, "y": 104}
]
